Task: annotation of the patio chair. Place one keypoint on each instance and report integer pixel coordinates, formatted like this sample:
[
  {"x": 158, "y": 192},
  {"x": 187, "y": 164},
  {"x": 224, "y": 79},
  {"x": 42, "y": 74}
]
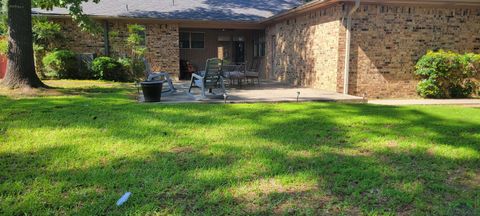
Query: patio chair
[
  {"x": 234, "y": 72},
  {"x": 253, "y": 73},
  {"x": 209, "y": 79},
  {"x": 159, "y": 76}
]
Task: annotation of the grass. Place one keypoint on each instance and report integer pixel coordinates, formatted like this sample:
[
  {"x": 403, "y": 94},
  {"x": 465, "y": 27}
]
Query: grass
[{"x": 77, "y": 149}]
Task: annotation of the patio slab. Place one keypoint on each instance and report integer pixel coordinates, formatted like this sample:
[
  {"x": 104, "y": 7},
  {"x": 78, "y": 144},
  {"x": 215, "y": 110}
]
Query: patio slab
[
  {"x": 265, "y": 92},
  {"x": 406, "y": 102}
]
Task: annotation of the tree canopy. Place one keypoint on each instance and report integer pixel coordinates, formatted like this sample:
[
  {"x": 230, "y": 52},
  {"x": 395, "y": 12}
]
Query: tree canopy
[{"x": 74, "y": 7}]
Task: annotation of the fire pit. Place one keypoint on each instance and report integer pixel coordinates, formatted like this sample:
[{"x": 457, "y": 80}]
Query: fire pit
[{"x": 152, "y": 91}]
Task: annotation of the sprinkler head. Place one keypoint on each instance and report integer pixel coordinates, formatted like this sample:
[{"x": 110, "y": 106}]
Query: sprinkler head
[{"x": 225, "y": 96}]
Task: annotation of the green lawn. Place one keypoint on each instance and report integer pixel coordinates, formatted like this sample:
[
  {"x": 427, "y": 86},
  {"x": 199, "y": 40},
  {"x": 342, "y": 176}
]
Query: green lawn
[{"x": 77, "y": 149}]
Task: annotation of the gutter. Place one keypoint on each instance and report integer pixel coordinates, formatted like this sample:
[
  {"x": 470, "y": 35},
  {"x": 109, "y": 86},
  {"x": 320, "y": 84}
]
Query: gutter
[{"x": 348, "y": 43}]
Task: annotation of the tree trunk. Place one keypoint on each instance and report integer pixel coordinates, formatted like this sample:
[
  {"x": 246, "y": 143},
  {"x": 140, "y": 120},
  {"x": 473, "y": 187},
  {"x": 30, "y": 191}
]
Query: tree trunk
[{"x": 21, "y": 64}]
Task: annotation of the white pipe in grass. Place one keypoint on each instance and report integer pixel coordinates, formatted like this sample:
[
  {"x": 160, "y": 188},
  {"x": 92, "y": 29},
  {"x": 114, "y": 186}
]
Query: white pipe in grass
[{"x": 123, "y": 199}]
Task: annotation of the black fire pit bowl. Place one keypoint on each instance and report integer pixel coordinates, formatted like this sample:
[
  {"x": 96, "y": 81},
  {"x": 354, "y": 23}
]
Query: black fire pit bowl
[{"x": 152, "y": 91}]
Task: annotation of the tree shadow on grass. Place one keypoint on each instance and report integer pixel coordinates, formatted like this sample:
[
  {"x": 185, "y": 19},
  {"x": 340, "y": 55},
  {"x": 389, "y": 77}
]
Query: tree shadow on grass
[
  {"x": 188, "y": 181},
  {"x": 407, "y": 146},
  {"x": 192, "y": 159}
]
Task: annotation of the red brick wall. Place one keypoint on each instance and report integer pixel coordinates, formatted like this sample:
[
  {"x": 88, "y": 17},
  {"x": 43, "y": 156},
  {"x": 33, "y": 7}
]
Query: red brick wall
[
  {"x": 161, "y": 40},
  {"x": 306, "y": 51},
  {"x": 387, "y": 41}
]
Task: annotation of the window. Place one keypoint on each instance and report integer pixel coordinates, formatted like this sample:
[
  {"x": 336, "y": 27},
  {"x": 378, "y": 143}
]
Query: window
[
  {"x": 192, "y": 40},
  {"x": 262, "y": 48},
  {"x": 184, "y": 40},
  {"x": 259, "y": 46},
  {"x": 198, "y": 40}
]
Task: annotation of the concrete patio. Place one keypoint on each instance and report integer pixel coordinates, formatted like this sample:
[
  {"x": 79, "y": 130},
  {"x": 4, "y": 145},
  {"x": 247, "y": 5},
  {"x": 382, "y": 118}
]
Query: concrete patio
[
  {"x": 266, "y": 92},
  {"x": 408, "y": 102}
]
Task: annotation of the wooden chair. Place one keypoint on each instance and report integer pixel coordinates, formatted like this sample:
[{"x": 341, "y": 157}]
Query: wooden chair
[{"x": 210, "y": 79}]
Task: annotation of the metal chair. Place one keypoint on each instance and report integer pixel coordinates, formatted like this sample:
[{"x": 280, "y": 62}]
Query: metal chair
[
  {"x": 234, "y": 72},
  {"x": 253, "y": 73}
]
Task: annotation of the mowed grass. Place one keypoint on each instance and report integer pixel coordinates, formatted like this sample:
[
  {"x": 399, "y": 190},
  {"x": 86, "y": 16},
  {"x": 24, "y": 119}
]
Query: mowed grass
[{"x": 76, "y": 149}]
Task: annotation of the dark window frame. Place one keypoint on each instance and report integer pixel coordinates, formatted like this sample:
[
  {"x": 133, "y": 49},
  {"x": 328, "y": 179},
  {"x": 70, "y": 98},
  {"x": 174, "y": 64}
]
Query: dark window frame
[
  {"x": 190, "y": 41},
  {"x": 259, "y": 46}
]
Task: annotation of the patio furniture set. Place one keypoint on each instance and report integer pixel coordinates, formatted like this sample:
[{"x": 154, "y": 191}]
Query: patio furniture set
[{"x": 213, "y": 77}]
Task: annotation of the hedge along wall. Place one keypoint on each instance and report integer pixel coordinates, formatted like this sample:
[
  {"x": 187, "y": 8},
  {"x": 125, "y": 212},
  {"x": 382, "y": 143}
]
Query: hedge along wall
[{"x": 161, "y": 40}]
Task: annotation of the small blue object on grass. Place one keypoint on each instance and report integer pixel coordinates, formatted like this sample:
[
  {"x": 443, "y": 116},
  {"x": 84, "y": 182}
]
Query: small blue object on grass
[{"x": 123, "y": 199}]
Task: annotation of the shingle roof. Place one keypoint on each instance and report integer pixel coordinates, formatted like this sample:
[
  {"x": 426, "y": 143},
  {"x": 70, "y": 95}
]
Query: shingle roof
[{"x": 220, "y": 10}]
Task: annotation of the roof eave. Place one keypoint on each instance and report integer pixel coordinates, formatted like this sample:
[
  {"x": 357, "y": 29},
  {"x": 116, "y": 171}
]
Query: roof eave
[
  {"x": 323, "y": 3},
  {"x": 183, "y": 23},
  {"x": 301, "y": 9},
  {"x": 313, "y": 5}
]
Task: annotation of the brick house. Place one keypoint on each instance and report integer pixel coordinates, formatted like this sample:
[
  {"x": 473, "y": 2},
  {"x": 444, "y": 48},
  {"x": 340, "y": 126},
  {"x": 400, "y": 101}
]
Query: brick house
[{"x": 304, "y": 44}]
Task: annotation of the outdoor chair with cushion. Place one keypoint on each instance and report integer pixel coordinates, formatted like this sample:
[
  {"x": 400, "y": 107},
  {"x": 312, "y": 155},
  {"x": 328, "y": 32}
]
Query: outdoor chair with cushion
[{"x": 211, "y": 78}]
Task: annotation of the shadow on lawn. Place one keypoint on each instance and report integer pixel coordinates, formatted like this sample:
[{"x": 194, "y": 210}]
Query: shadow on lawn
[{"x": 201, "y": 175}]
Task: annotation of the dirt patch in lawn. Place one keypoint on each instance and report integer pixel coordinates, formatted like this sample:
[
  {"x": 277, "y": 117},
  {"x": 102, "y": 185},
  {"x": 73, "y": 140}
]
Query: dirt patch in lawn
[
  {"x": 273, "y": 196},
  {"x": 182, "y": 150},
  {"x": 29, "y": 92},
  {"x": 67, "y": 87}
]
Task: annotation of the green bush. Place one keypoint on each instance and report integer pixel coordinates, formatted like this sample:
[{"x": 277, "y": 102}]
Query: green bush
[
  {"x": 47, "y": 36},
  {"x": 127, "y": 64},
  {"x": 62, "y": 64},
  {"x": 134, "y": 68},
  {"x": 428, "y": 88},
  {"x": 447, "y": 74},
  {"x": 108, "y": 69},
  {"x": 3, "y": 46}
]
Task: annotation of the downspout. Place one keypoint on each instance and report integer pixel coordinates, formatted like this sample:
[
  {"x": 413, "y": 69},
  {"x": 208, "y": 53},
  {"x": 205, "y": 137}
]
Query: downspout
[
  {"x": 346, "y": 74},
  {"x": 106, "y": 38}
]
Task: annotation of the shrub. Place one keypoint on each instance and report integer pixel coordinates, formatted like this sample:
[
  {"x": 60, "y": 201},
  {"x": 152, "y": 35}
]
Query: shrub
[
  {"x": 138, "y": 69},
  {"x": 136, "y": 40},
  {"x": 47, "y": 36},
  {"x": 108, "y": 69},
  {"x": 135, "y": 45},
  {"x": 428, "y": 88},
  {"x": 62, "y": 64},
  {"x": 447, "y": 74},
  {"x": 126, "y": 63},
  {"x": 3, "y": 46},
  {"x": 134, "y": 68}
]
